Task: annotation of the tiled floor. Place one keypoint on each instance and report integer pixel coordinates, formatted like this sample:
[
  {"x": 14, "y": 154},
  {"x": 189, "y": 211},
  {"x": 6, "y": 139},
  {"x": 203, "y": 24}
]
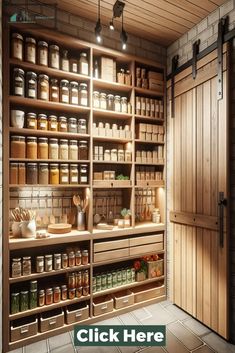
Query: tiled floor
[{"x": 184, "y": 334}]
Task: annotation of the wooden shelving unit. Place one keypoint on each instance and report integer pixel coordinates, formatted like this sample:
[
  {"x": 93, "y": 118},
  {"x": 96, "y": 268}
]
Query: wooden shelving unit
[{"x": 92, "y": 235}]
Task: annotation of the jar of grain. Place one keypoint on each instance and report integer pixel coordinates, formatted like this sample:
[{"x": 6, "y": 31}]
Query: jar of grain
[
  {"x": 26, "y": 266},
  {"x": 74, "y": 176},
  {"x": 43, "y": 174},
  {"x": 31, "y": 84},
  {"x": 40, "y": 264},
  {"x": 121, "y": 76},
  {"x": 14, "y": 172},
  {"x": 54, "y": 57},
  {"x": 137, "y": 105},
  {"x": 110, "y": 102},
  {"x": 54, "y": 90},
  {"x": 43, "y": 148},
  {"x": 31, "y": 121},
  {"x": 54, "y": 174},
  {"x": 83, "y": 64},
  {"x": 73, "y": 150},
  {"x": 72, "y": 125},
  {"x": 83, "y": 174},
  {"x": 64, "y": 174},
  {"x": 16, "y": 267},
  {"x": 52, "y": 123},
  {"x": 42, "y": 53},
  {"x": 30, "y": 50},
  {"x": 49, "y": 296},
  {"x": 83, "y": 94},
  {"x": 73, "y": 65},
  {"x": 31, "y": 148},
  {"x": 96, "y": 99},
  {"x": 82, "y": 126},
  {"x": 103, "y": 101},
  {"x": 57, "y": 261},
  {"x": 53, "y": 149},
  {"x": 64, "y": 91},
  {"x": 63, "y": 124},
  {"x": 83, "y": 150},
  {"x": 64, "y": 150},
  {"x": 18, "y": 82},
  {"x": 18, "y": 147},
  {"x": 56, "y": 295},
  {"x": 43, "y": 87},
  {"x": 117, "y": 103},
  {"x": 41, "y": 297},
  {"x": 17, "y": 46},
  {"x": 48, "y": 263},
  {"x": 65, "y": 61},
  {"x": 22, "y": 174},
  {"x": 73, "y": 92},
  {"x": 32, "y": 174},
  {"x": 124, "y": 105},
  {"x": 42, "y": 122}
]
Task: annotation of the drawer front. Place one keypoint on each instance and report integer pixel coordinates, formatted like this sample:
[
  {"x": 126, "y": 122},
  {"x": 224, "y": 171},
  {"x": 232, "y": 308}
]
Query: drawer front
[
  {"x": 149, "y": 294},
  {"x": 124, "y": 301},
  {"x": 109, "y": 255},
  {"x": 51, "y": 323},
  {"x": 148, "y": 239},
  {"x": 144, "y": 249},
  {"x": 111, "y": 245},
  {"x": 18, "y": 333},
  {"x": 102, "y": 308},
  {"x": 77, "y": 315}
]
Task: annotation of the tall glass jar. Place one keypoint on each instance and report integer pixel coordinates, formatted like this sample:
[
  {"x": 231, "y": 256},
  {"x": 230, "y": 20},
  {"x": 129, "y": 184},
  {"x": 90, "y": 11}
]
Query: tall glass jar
[
  {"x": 54, "y": 90},
  {"x": 32, "y": 174},
  {"x": 43, "y": 87},
  {"x": 63, "y": 124},
  {"x": 18, "y": 82},
  {"x": 31, "y": 148},
  {"x": 83, "y": 150},
  {"x": 54, "y": 176},
  {"x": 43, "y": 148},
  {"x": 18, "y": 147},
  {"x": 65, "y": 61},
  {"x": 124, "y": 105},
  {"x": 73, "y": 150},
  {"x": 53, "y": 149},
  {"x": 64, "y": 150},
  {"x": 17, "y": 46},
  {"x": 72, "y": 125},
  {"x": 110, "y": 102},
  {"x": 74, "y": 174},
  {"x": 42, "y": 122},
  {"x": 64, "y": 174},
  {"x": 83, "y": 94},
  {"x": 43, "y": 174},
  {"x": 26, "y": 266},
  {"x": 117, "y": 104},
  {"x": 82, "y": 126},
  {"x": 22, "y": 174},
  {"x": 31, "y": 84},
  {"x": 73, "y": 92},
  {"x": 54, "y": 57},
  {"x": 42, "y": 53},
  {"x": 103, "y": 101},
  {"x": 30, "y": 50},
  {"x": 83, "y": 64},
  {"x": 83, "y": 174},
  {"x": 96, "y": 99},
  {"x": 52, "y": 123},
  {"x": 31, "y": 121},
  {"x": 64, "y": 91}
]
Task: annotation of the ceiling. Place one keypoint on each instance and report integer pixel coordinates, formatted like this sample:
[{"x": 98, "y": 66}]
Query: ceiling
[{"x": 163, "y": 21}]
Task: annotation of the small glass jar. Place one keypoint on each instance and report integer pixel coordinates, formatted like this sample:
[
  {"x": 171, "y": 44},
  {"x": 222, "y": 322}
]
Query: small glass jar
[
  {"x": 43, "y": 87},
  {"x": 31, "y": 148},
  {"x": 30, "y": 50},
  {"x": 137, "y": 105},
  {"x": 128, "y": 156},
  {"x": 48, "y": 263},
  {"x": 43, "y": 148},
  {"x": 64, "y": 150},
  {"x": 65, "y": 260},
  {"x": 54, "y": 90},
  {"x": 114, "y": 155},
  {"x": 83, "y": 150},
  {"x": 31, "y": 121},
  {"x": 71, "y": 259},
  {"x": 14, "y": 173},
  {"x": 40, "y": 264},
  {"x": 64, "y": 292},
  {"x": 73, "y": 63},
  {"x": 52, "y": 123},
  {"x": 148, "y": 107},
  {"x": 53, "y": 149},
  {"x": 128, "y": 78},
  {"x": 18, "y": 82},
  {"x": 57, "y": 261},
  {"x": 124, "y": 105},
  {"x": 72, "y": 293},
  {"x": 18, "y": 147},
  {"x": 16, "y": 268},
  {"x": 78, "y": 258},
  {"x": 54, "y": 57},
  {"x": 85, "y": 291},
  {"x": 42, "y": 53},
  {"x": 73, "y": 175},
  {"x": 78, "y": 292},
  {"x": 32, "y": 174},
  {"x": 85, "y": 257},
  {"x": 72, "y": 125},
  {"x": 41, "y": 297},
  {"x": 107, "y": 155},
  {"x": 121, "y": 156},
  {"x": 42, "y": 122},
  {"x": 26, "y": 266},
  {"x": 56, "y": 294},
  {"x": 64, "y": 174},
  {"x": 33, "y": 299},
  {"x": 22, "y": 174},
  {"x": 110, "y": 101},
  {"x": 103, "y": 101},
  {"x": 54, "y": 175},
  {"x": 78, "y": 278},
  {"x": 96, "y": 99},
  {"x": 43, "y": 174},
  {"x": 83, "y": 174},
  {"x": 64, "y": 91},
  {"x": 63, "y": 124},
  {"x": 24, "y": 300},
  {"x": 117, "y": 104},
  {"x": 73, "y": 150},
  {"x": 31, "y": 84},
  {"x": 143, "y": 106},
  {"x": 49, "y": 296},
  {"x": 83, "y": 64},
  {"x": 65, "y": 61},
  {"x": 83, "y": 94},
  {"x": 73, "y": 92},
  {"x": 17, "y": 46},
  {"x": 82, "y": 126},
  {"x": 85, "y": 278},
  {"x": 71, "y": 280}
]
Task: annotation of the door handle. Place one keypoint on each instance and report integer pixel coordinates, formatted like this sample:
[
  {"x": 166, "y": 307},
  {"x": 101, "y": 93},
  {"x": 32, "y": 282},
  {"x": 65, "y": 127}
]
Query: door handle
[{"x": 222, "y": 203}]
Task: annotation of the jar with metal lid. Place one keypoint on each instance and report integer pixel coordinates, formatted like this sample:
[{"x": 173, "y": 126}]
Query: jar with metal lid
[
  {"x": 48, "y": 263},
  {"x": 43, "y": 148},
  {"x": 107, "y": 155},
  {"x": 64, "y": 150},
  {"x": 121, "y": 76},
  {"x": 121, "y": 157},
  {"x": 24, "y": 300},
  {"x": 96, "y": 99},
  {"x": 63, "y": 124},
  {"x": 103, "y": 281},
  {"x": 152, "y": 108},
  {"x": 17, "y": 46},
  {"x": 82, "y": 126},
  {"x": 43, "y": 87},
  {"x": 31, "y": 84},
  {"x": 124, "y": 105},
  {"x": 22, "y": 174},
  {"x": 83, "y": 174},
  {"x": 98, "y": 283},
  {"x": 114, "y": 278},
  {"x": 65, "y": 260},
  {"x": 56, "y": 294},
  {"x": 78, "y": 292},
  {"x": 71, "y": 259},
  {"x": 31, "y": 121},
  {"x": 65, "y": 61},
  {"x": 64, "y": 91},
  {"x": 64, "y": 292},
  {"x": 42, "y": 53},
  {"x": 31, "y": 148},
  {"x": 18, "y": 82},
  {"x": 128, "y": 156},
  {"x": 41, "y": 297},
  {"x": 103, "y": 101},
  {"x": 18, "y": 147},
  {"x": 71, "y": 280},
  {"x": 15, "y": 303},
  {"x": 110, "y": 101},
  {"x": 109, "y": 280},
  {"x": 117, "y": 103},
  {"x": 85, "y": 257},
  {"x": 32, "y": 174},
  {"x": 64, "y": 174},
  {"x": 30, "y": 50},
  {"x": 73, "y": 150},
  {"x": 114, "y": 155},
  {"x": 54, "y": 175},
  {"x": 54, "y": 90},
  {"x": 78, "y": 257},
  {"x": 137, "y": 105},
  {"x": 14, "y": 173},
  {"x": 143, "y": 105},
  {"x": 43, "y": 174},
  {"x": 53, "y": 149},
  {"x": 33, "y": 299},
  {"x": 57, "y": 261},
  {"x": 71, "y": 293},
  {"x": 83, "y": 64},
  {"x": 83, "y": 150},
  {"x": 42, "y": 122},
  {"x": 49, "y": 296},
  {"x": 74, "y": 92},
  {"x": 52, "y": 123},
  {"x": 40, "y": 264},
  {"x": 148, "y": 108},
  {"x": 16, "y": 267},
  {"x": 83, "y": 94},
  {"x": 93, "y": 284},
  {"x": 74, "y": 175},
  {"x": 73, "y": 63},
  {"x": 26, "y": 266},
  {"x": 54, "y": 57},
  {"x": 85, "y": 290},
  {"x": 78, "y": 278},
  {"x": 72, "y": 125}
]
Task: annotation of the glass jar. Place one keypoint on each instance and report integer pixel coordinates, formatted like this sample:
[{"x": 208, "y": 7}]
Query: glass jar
[
  {"x": 107, "y": 155},
  {"x": 52, "y": 123},
  {"x": 14, "y": 172},
  {"x": 110, "y": 102},
  {"x": 71, "y": 259},
  {"x": 73, "y": 179},
  {"x": 64, "y": 174},
  {"x": 78, "y": 292},
  {"x": 124, "y": 105},
  {"x": 15, "y": 303},
  {"x": 85, "y": 291},
  {"x": 33, "y": 299},
  {"x": 48, "y": 263},
  {"x": 65, "y": 61},
  {"x": 64, "y": 150},
  {"x": 31, "y": 121},
  {"x": 49, "y": 296},
  {"x": 24, "y": 300},
  {"x": 43, "y": 87},
  {"x": 128, "y": 78},
  {"x": 137, "y": 105},
  {"x": 83, "y": 94},
  {"x": 82, "y": 126},
  {"x": 42, "y": 122},
  {"x": 43, "y": 148},
  {"x": 17, "y": 46},
  {"x": 53, "y": 149},
  {"x": 85, "y": 257},
  {"x": 121, "y": 76},
  {"x": 54, "y": 90},
  {"x": 83, "y": 150},
  {"x": 83, "y": 64},
  {"x": 26, "y": 266},
  {"x": 42, "y": 53},
  {"x": 117, "y": 104},
  {"x": 71, "y": 280},
  {"x": 18, "y": 147},
  {"x": 72, "y": 293},
  {"x": 54, "y": 174},
  {"x": 103, "y": 101},
  {"x": 57, "y": 261},
  {"x": 54, "y": 57},
  {"x": 40, "y": 264},
  {"x": 96, "y": 69},
  {"x": 41, "y": 297},
  {"x": 143, "y": 106},
  {"x": 43, "y": 174},
  {"x": 78, "y": 278},
  {"x": 114, "y": 155},
  {"x": 83, "y": 174},
  {"x": 121, "y": 157},
  {"x": 31, "y": 84},
  {"x": 73, "y": 63},
  {"x": 64, "y": 91},
  {"x": 30, "y": 50},
  {"x": 73, "y": 92},
  {"x": 85, "y": 278},
  {"x": 96, "y": 99},
  {"x": 72, "y": 125},
  {"x": 63, "y": 124},
  {"x": 64, "y": 292},
  {"x": 147, "y": 106},
  {"x": 56, "y": 295},
  {"x": 32, "y": 174},
  {"x": 128, "y": 157},
  {"x": 16, "y": 268},
  {"x": 22, "y": 174},
  {"x": 31, "y": 148},
  {"x": 65, "y": 260},
  {"x": 33, "y": 285},
  {"x": 73, "y": 150},
  {"x": 18, "y": 82},
  {"x": 78, "y": 258}
]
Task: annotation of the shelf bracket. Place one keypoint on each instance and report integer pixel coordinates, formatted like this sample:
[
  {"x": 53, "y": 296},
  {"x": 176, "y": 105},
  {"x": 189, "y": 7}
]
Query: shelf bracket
[
  {"x": 174, "y": 65},
  {"x": 195, "y": 52},
  {"x": 222, "y": 26}
]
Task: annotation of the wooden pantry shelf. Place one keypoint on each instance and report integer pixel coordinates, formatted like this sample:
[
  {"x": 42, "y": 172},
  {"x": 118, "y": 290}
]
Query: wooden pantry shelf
[
  {"x": 64, "y": 161},
  {"x": 112, "y": 162},
  {"x": 111, "y": 139},
  {"x": 110, "y": 114},
  {"x": 149, "y": 92},
  {"x": 149, "y": 142},
  {"x": 112, "y": 187},
  {"x": 141, "y": 118},
  {"x": 149, "y": 184},
  {"x": 149, "y": 164},
  {"x": 52, "y": 134},
  {"x": 65, "y": 186},
  {"x": 108, "y": 85}
]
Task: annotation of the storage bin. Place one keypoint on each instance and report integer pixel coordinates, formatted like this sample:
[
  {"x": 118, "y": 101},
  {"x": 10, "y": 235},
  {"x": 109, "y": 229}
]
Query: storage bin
[
  {"x": 102, "y": 305},
  {"x": 123, "y": 299},
  {"x": 147, "y": 292},
  {"x": 155, "y": 268},
  {"x": 51, "y": 320},
  {"x": 24, "y": 328},
  {"x": 77, "y": 312}
]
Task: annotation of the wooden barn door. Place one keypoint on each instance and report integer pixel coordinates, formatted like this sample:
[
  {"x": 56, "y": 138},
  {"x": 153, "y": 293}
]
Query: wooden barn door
[{"x": 199, "y": 184}]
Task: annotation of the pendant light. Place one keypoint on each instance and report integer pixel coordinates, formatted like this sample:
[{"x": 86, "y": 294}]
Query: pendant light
[
  {"x": 111, "y": 25},
  {"x": 98, "y": 27},
  {"x": 123, "y": 36}
]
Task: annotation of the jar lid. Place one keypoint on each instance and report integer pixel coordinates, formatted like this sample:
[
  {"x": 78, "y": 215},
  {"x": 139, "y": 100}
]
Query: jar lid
[
  {"x": 62, "y": 118},
  {"x": 64, "y": 82},
  {"x": 31, "y": 138},
  {"x": 114, "y": 150},
  {"x": 110, "y": 96},
  {"x": 102, "y": 94},
  {"x": 83, "y": 85},
  {"x": 83, "y": 142},
  {"x": 42, "y": 139},
  {"x": 40, "y": 257},
  {"x": 96, "y": 92},
  {"x": 71, "y": 253},
  {"x": 54, "y": 47},
  {"x": 31, "y": 73},
  {"x": 106, "y": 151},
  {"x": 17, "y": 35},
  {"x": 64, "y": 142},
  {"x": 84, "y": 165},
  {"x": 74, "y": 83},
  {"x": 54, "y": 165},
  {"x": 14, "y": 165},
  {"x": 15, "y": 294},
  {"x": 41, "y": 43},
  {"x": 83, "y": 54},
  {"x": 48, "y": 256},
  {"x": 42, "y": 116},
  {"x": 51, "y": 117},
  {"x": 24, "y": 292},
  {"x": 56, "y": 289},
  {"x": 33, "y": 290},
  {"x": 73, "y": 165},
  {"x": 123, "y": 98},
  {"x": 57, "y": 255},
  {"x": 20, "y": 71},
  {"x": 18, "y": 138},
  {"x": 73, "y": 142},
  {"x": 117, "y": 97},
  {"x": 48, "y": 290},
  {"x": 32, "y": 115},
  {"x": 26, "y": 257},
  {"x": 65, "y": 255},
  {"x": 53, "y": 140},
  {"x": 64, "y": 166},
  {"x": 73, "y": 119},
  {"x": 16, "y": 259},
  {"x": 21, "y": 165},
  {"x": 82, "y": 120},
  {"x": 42, "y": 76},
  {"x": 64, "y": 285},
  {"x": 85, "y": 251},
  {"x": 78, "y": 252},
  {"x": 43, "y": 165},
  {"x": 30, "y": 40},
  {"x": 41, "y": 292}
]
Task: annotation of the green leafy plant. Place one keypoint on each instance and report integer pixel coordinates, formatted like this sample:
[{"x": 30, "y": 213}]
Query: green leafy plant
[
  {"x": 122, "y": 177},
  {"x": 125, "y": 212},
  {"x": 141, "y": 266}
]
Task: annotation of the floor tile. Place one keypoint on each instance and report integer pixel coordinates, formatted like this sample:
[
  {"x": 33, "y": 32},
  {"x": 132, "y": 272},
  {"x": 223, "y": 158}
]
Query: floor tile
[
  {"x": 113, "y": 321},
  {"x": 204, "y": 349},
  {"x": 166, "y": 302},
  {"x": 60, "y": 340},
  {"x": 173, "y": 345},
  {"x": 68, "y": 348},
  {"x": 97, "y": 350},
  {"x": 196, "y": 327},
  {"x": 40, "y": 346},
  {"x": 128, "y": 319},
  {"x": 19, "y": 350},
  {"x": 218, "y": 344},
  {"x": 153, "y": 350},
  {"x": 188, "y": 339},
  {"x": 177, "y": 312},
  {"x": 130, "y": 349},
  {"x": 157, "y": 315}
]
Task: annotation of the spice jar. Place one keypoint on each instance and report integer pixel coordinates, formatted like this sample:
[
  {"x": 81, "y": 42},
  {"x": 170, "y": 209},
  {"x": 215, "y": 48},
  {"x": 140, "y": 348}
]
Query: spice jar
[
  {"x": 78, "y": 278},
  {"x": 82, "y": 126},
  {"x": 83, "y": 94},
  {"x": 22, "y": 174},
  {"x": 33, "y": 299},
  {"x": 72, "y": 125},
  {"x": 48, "y": 263},
  {"x": 24, "y": 300},
  {"x": 124, "y": 105},
  {"x": 63, "y": 125},
  {"x": 56, "y": 295},
  {"x": 71, "y": 259},
  {"x": 52, "y": 123},
  {"x": 31, "y": 84},
  {"x": 85, "y": 278},
  {"x": 18, "y": 82},
  {"x": 32, "y": 174},
  {"x": 64, "y": 292},
  {"x": 85, "y": 257},
  {"x": 42, "y": 122},
  {"x": 14, "y": 171},
  {"x": 42, "y": 53},
  {"x": 31, "y": 121},
  {"x": 30, "y": 50},
  {"x": 73, "y": 92},
  {"x": 31, "y": 148},
  {"x": 54, "y": 175},
  {"x": 18, "y": 147},
  {"x": 49, "y": 296},
  {"x": 41, "y": 297},
  {"x": 26, "y": 265},
  {"x": 117, "y": 103},
  {"x": 128, "y": 156},
  {"x": 16, "y": 268},
  {"x": 43, "y": 174},
  {"x": 65, "y": 262},
  {"x": 107, "y": 155},
  {"x": 53, "y": 149},
  {"x": 83, "y": 64},
  {"x": 64, "y": 174},
  {"x": 54, "y": 57},
  {"x": 64, "y": 150},
  {"x": 42, "y": 148},
  {"x": 83, "y": 150},
  {"x": 65, "y": 61},
  {"x": 43, "y": 87},
  {"x": 85, "y": 291},
  {"x": 73, "y": 179},
  {"x": 121, "y": 157},
  {"x": 73, "y": 150},
  {"x": 64, "y": 91},
  {"x": 78, "y": 292},
  {"x": 40, "y": 264},
  {"x": 114, "y": 155},
  {"x": 54, "y": 90},
  {"x": 137, "y": 105},
  {"x": 73, "y": 65},
  {"x": 72, "y": 293},
  {"x": 96, "y": 99},
  {"x": 57, "y": 261},
  {"x": 17, "y": 46},
  {"x": 71, "y": 280},
  {"x": 103, "y": 102},
  {"x": 15, "y": 303},
  {"x": 78, "y": 258},
  {"x": 83, "y": 174},
  {"x": 110, "y": 102}
]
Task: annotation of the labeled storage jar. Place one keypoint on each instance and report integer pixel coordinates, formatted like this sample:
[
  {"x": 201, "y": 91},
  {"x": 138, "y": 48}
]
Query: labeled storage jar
[
  {"x": 15, "y": 303},
  {"x": 17, "y": 46},
  {"x": 53, "y": 149},
  {"x": 31, "y": 84},
  {"x": 72, "y": 125},
  {"x": 22, "y": 174},
  {"x": 64, "y": 292},
  {"x": 73, "y": 65},
  {"x": 14, "y": 171},
  {"x": 110, "y": 102},
  {"x": 73, "y": 92},
  {"x": 65, "y": 61},
  {"x": 83, "y": 150},
  {"x": 83, "y": 64},
  {"x": 52, "y": 123},
  {"x": 18, "y": 82},
  {"x": 57, "y": 261},
  {"x": 65, "y": 260},
  {"x": 54, "y": 57},
  {"x": 16, "y": 267},
  {"x": 96, "y": 99},
  {"x": 18, "y": 147},
  {"x": 64, "y": 174},
  {"x": 83, "y": 174},
  {"x": 74, "y": 175},
  {"x": 83, "y": 94},
  {"x": 30, "y": 50},
  {"x": 48, "y": 263},
  {"x": 42, "y": 53},
  {"x": 49, "y": 296},
  {"x": 32, "y": 174},
  {"x": 63, "y": 124},
  {"x": 85, "y": 257},
  {"x": 82, "y": 126},
  {"x": 43, "y": 87},
  {"x": 103, "y": 101},
  {"x": 64, "y": 150},
  {"x": 117, "y": 103},
  {"x": 43, "y": 148},
  {"x": 54, "y": 90},
  {"x": 26, "y": 266},
  {"x": 42, "y": 122},
  {"x": 43, "y": 174},
  {"x": 73, "y": 150},
  {"x": 40, "y": 264},
  {"x": 56, "y": 295},
  {"x": 31, "y": 121},
  {"x": 41, "y": 298},
  {"x": 24, "y": 300},
  {"x": 64, "y": 91},
  {"x": 54, "y": 175},
  {"x": 31, "y": 148}
]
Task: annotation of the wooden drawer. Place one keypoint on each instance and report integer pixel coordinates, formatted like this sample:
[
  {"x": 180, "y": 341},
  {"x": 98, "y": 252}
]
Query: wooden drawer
[
  {"x": 112, "y": 183},
  {"x": 24, "y": 328},
  {"x": 111, "y": 245},
  {"x": 51, "y": 320},
  {"x": 147, "y": 239},
  {"x": 109, "y": 255},
  {"x": 123, "y": 299},
  {"x": 144, "y": 249},
  {"x": 102, "y": 305},
  {"x": 76, "y": 313},
  {"x": 146, "y": 292}
]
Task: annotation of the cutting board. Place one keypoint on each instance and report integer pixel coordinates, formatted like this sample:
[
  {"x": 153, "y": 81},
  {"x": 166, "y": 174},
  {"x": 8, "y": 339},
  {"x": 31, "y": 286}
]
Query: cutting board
[{"x": 60, "y": 228}]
